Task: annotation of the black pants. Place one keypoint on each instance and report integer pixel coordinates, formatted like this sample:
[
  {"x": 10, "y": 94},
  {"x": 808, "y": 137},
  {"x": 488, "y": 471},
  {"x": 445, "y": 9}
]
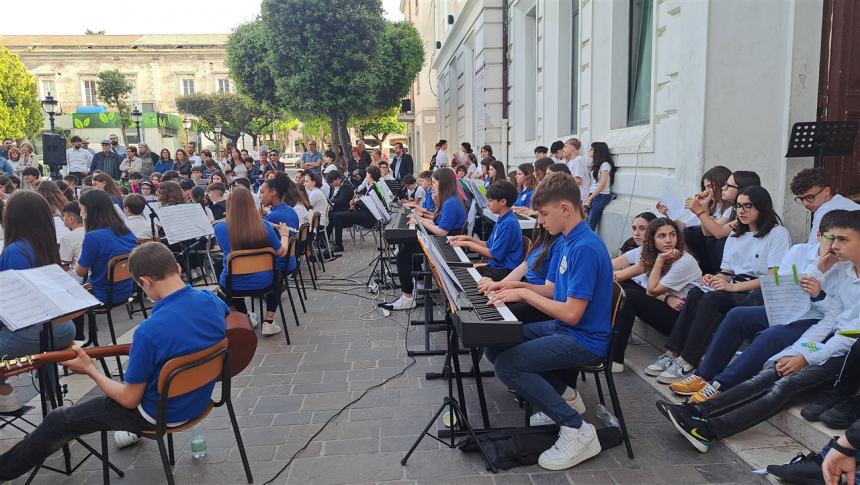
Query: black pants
[
  {"x": 655, "y": 313},
  {"x": 700, "y": 318},
  {"x": 340, "y": 220},
  {"x": 526, "y": 313},
  {"x": 405, "y": 266},
  {"x": 763, "y": 396},
  {"x": 708, "y": 250},
  {"x": 849, "y": 377},
  {"x": 494, "y": 273},
  {"x": 65, "y": 424}
]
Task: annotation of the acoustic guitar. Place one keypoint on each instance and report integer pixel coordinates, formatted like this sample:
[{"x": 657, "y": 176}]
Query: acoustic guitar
[{"x": 241, "y": 340}]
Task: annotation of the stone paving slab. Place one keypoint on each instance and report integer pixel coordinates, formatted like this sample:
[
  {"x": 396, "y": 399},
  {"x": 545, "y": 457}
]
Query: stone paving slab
[{"x": 343, "y": 347}]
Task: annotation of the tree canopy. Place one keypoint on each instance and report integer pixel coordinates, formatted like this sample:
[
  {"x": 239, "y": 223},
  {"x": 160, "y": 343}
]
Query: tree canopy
[
  {"x": 20, "y": 110},
  {"x": 247, "y": 60},
  {"x": 234, "y": 113},
  {"x": 114, "y": 89},
  {"x": 379, "y": 126}
]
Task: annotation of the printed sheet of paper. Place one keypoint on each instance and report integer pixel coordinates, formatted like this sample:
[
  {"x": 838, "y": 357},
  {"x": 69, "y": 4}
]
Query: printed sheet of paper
[
  {"x": 675, "y": 207},
  {"x": 23, "y": 305},
  {"x": 184, "y": 222},
  {"x": 784, "y": 302},
  {"x": 66, "y": 293}
]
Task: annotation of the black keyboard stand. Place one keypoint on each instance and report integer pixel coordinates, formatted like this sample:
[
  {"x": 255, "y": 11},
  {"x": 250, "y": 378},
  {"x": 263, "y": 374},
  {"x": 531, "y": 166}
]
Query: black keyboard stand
[
  {"x": 381, "y": 272},
  {"x": 456, "y": 412},
  {"x": 430, "y": 325}
]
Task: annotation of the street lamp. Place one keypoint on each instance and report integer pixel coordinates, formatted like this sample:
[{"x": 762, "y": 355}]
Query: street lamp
[
  {"x": 136, "y": 116},
  {"x": 218, "y": 134},
  {"x": 187, "y": 124},
  {"x": 49, "y": 106}
]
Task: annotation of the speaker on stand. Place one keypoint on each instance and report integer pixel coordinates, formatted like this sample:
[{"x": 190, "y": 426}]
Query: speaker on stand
[{"x": 54, "y": 153}]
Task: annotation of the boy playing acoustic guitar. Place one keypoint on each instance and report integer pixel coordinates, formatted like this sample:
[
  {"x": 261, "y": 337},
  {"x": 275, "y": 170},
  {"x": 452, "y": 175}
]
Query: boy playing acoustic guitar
[{"x": 183, "y": 321}]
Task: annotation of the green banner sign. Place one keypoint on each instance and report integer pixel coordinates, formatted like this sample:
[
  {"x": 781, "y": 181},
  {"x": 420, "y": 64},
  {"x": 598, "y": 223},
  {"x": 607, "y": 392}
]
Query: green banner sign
[{"x": 111, "y": 120}]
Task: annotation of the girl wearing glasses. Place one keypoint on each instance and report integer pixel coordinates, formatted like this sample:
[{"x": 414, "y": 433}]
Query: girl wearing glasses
[{"x": 757, "y": 243}]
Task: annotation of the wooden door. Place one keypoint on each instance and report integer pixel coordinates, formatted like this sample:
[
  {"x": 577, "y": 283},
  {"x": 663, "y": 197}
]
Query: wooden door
[{"x": 839, "y": 85}]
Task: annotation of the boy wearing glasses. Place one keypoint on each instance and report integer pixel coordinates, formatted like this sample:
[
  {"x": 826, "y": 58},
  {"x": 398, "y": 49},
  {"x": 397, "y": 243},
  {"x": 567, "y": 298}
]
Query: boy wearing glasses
[{"x": 811, "y": 187}]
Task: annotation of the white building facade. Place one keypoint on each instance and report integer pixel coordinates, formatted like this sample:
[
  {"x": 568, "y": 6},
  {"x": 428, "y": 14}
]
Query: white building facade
[{"x": 674, "y": 87}]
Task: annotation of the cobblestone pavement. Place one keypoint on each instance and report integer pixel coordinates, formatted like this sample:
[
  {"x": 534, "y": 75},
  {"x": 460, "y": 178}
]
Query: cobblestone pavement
[{"x": 342, "y": 348}]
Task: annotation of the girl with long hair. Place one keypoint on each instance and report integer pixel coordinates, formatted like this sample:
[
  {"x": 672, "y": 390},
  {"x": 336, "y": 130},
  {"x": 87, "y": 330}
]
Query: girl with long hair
[
  {"x": 757, "y": 244},
  {"x": 165, "y": 163},
  {"x": 319, "y": 203},
  {"x": 297, "y": 199},
  {"x": 30, "y": 242},
  {"x": 602, "y": 176},
  {"x": 244, "y": 228},
  {"x": 495, "y": 173},
  {"x": 235, "y": 158},
  {"x": 526, "y": 184},
  {"x": 666, "y": 273},
  {"x": 183, "y": 164},
  {"x": 447, "y": 219},
  {"x": 54, "y": 196},
  {"x": 637, "y": 236},
  {"x": 105, "y": 183}
]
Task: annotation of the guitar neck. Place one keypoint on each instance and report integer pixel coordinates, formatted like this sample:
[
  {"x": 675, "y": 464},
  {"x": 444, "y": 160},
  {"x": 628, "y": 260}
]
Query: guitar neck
[{"x": 29, "y": 362}]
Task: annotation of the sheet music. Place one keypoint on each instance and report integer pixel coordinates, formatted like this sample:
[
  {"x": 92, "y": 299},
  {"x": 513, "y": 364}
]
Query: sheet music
[
  {"x": 368, "y": 202},
  {"x": 184, "y": 222},
  {"x": 23, "y": 305},
  {"x": 784, "y": 302},
  {"x": 675, "y": 208},
  {"x": 378, "y": 208},
  {"x": 449, "y": 282},
  {"x": 477, "y": 189},
  {"x": 66, "y": 293}
]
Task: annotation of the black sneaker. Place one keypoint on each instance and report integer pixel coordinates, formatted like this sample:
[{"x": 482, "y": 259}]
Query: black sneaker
[
  {"x": 690, "y": 426},
  {"x": 663, "y": 407},
  {"x": 843, "y": 414},
  {"x": 803, "y": 469},
  {"x": 812, "y": 412}
]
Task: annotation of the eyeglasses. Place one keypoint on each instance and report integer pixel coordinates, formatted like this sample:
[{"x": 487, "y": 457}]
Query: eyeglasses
[
  {"x": 808, "y": 198},
  {"x": 728, "y": 185},
  {"x": 747, "y": 206}
]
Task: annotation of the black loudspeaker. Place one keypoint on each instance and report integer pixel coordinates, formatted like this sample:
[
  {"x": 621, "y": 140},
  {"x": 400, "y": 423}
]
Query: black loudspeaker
[
  {"x": 405, "y": 105},
  {"x": 54, "y": 152}
]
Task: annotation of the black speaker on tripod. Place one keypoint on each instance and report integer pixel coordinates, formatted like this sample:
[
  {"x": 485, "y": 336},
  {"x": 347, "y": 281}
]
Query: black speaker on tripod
[{"x": 54, "y": 153}]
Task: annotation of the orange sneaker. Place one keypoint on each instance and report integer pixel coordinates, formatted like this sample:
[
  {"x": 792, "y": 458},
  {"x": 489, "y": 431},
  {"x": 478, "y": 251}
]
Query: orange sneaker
[
  {"x": 707, "y": 392},
  {"x": 689, "y": 385}
]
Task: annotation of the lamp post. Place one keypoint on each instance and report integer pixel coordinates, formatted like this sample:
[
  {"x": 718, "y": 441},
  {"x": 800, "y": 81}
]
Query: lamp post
[
  {"x": 187, "y": 124},
  {"x": 218, "y": 134},
  {"x": 49, "y": 106},
  {"x": 137, "y": 116}
]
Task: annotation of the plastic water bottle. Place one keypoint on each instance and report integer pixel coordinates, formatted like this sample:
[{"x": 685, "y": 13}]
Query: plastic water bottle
[
  {"x": 609, "y": 420},
  {"x": 198, "y": 447}
]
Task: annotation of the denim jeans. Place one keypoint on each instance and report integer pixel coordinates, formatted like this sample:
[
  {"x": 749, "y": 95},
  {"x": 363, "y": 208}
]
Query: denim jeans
[
  {"x": 26, "y": 341},
  {"x": 532, "y": 368},
  {"x": 65, "y": 424},
  {"x": 598, "y": 203}
]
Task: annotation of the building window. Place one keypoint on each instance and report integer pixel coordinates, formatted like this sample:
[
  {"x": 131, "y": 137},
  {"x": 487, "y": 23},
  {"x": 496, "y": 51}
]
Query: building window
[
  {"x": 639, "y": 63},
  {"x": 223, "y": 85},
  {"x": 89, "y": 94},
  {"x": 134, "y": 94},
  {"x": 530, "y": 69},
  {"x": 574, "y": 67},
  {"x": 186, "y": 86},
  {"x": 46, "y": 87}
]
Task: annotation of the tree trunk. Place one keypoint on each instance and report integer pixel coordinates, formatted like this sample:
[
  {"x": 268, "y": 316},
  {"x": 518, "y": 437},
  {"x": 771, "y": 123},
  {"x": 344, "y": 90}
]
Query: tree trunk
[{"x": 341, "y": 132}]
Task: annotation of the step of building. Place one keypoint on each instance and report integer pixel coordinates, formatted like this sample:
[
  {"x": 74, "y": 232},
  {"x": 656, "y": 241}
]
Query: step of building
[{"x": 775, "y": 441}]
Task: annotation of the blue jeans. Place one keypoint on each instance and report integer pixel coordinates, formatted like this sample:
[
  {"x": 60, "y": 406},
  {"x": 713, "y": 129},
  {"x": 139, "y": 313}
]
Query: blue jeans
[
  {"x": 26, "y": 341},
  {"x": 532, "y": 368},
  {"x": 598, "y": 203}
]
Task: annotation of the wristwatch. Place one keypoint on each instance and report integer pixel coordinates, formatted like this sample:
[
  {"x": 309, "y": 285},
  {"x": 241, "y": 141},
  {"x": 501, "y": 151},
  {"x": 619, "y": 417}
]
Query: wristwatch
[{"x": 834, "y": 443}]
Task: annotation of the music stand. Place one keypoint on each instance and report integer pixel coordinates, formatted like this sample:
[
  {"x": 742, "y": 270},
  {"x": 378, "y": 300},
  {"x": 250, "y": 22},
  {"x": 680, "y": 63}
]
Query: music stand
[
  {"x": 819, "y": 139},
  {"x": 393, "y": 186},
  {"x": 381, "y": 266}
]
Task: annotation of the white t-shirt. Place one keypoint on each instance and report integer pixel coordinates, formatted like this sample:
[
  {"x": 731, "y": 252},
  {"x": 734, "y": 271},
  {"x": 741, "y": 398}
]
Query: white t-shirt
[
  {"x": 681, "y": 276},
  {"x": 441, "y": 159},
  {"x": 604, "y": 167},
  {"x": 140, "y": 226},
  {"x": 751, "y": 255},
  {"x": 329, "y": 168},
  {"x": 579, "y": 168},
  {"x": 319, "y": 204},
  {"x": 78, "y": 160},
  {"x": 240, "y": 171},
  {"x": 195, "y": 160},
  {"x": 302, "y": 212},
  {"x": 837, "y": 202},
  {"x": 70, "y": 246},
  {"x": 633, "y": 257}
]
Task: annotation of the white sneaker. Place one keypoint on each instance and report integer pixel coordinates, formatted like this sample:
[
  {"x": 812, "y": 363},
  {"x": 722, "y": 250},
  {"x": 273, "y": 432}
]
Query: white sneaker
[
  {"x": 674, "y": 372},
  {"x": 124, "y": 439},
  {"x": 10, "y": 402},
  {"x": 270, "y": 328},
  {"x": 617, "y": 367},
  {"x": 659, "y": 365},
  {"x": 403, "y": 303},
  {"x": 574, "y": 400},
  {"x": 574, "y": 445},
  {"x": 540, "y": 419}
]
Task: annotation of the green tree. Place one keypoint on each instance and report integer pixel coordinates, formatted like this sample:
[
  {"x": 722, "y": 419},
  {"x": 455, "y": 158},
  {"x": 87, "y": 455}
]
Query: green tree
[
  {"x": 379, "y": 126},
  {"x": 114, "y": 89},
  {"x": 235, "y": 113},
  {"x": 247, "y": 60},
  {"x": 20, "y": 110}
]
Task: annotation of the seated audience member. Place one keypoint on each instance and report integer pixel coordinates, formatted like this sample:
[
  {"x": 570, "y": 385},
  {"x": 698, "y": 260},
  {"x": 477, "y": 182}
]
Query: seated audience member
[
  {"x": 30, "y": 240},
  {"x": 183, "y": 321},
  {"x": 71, "y": 243},
  {"x": 504, "y": 248},
  {"x": 579, "y": 333},
  {"x": 107, "y": 236},
  {"x": 298, "y": 200},
  {"x": 631, "y": 250},
  {"x": 526, "y": 184},
  {"x": 155, "y": 179},
  {"x": 668, "y": 272},
  {"x": 411, "y": 191},
  {"x": 712, "y": 222},
  {"x": 319, "y": 203},
  {"x": 756, "y": 245},
  {"x": 272, "y": 194},
  {"x": 813, "y": 189},
  {"x": 164, "y": 164},
  {"x": 217, "y": 203},
  {"x": 357, "y": 213},
  {"x": 536, "y": 273},
  {"x": 541, "y": 167},
  {"x": 811, "y": 363},
  {"x": 134, "y": 180},
  {"x": 134, "y": 206},
  {"x": 715, "y": 373},
  {"x": 342, "y": 192},
  {"x": 245, "y": 229},
  {"x": 448, "y": 219}
]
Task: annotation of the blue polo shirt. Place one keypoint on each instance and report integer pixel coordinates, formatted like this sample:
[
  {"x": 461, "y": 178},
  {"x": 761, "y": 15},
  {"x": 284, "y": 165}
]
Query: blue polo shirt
[
  {"x": 506, "y": 243},
  {"x": 427, "y": 201},
  {"x": 524, "y": 198},
  {"x": 452, "y": 215},
  {"x": 585, "y": 273},
  {"x": 252, "y": 281},
  {"x": 282, "y": 213},
  {"x": 547, "y": 271},
  {"x": 98, "y": 247},
  {"x": 184, "y": 322},
  {"x": 18, "y": 255}
]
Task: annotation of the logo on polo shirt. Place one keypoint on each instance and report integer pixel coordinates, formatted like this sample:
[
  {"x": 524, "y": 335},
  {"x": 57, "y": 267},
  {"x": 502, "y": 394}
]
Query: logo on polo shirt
[
  {"x": 523, "y": 197},
  {"x": 563, "y": 266}
]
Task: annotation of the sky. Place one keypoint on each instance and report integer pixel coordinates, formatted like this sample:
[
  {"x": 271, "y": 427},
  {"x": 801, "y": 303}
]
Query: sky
[{"x": 136, "y": 16}]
